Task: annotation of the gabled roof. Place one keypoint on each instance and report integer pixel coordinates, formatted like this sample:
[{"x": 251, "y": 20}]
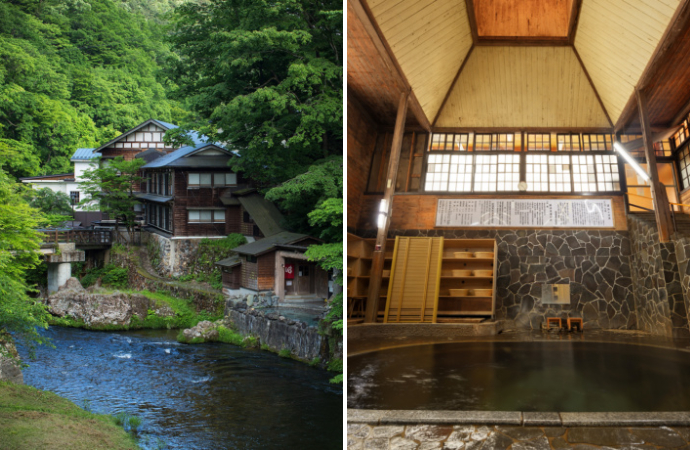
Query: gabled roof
[
  {"x": 268, "y": 244},
  {"x": 265, "y": 214},
  {"x": 150, "y": 155},
  {"x": 176, "y": 158},
  {"x": 85, "y": 154},
  {"x": 160, "y": 123}
]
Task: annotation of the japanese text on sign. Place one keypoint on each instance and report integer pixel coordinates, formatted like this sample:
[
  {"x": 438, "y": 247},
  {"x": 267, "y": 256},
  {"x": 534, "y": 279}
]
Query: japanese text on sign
[{"x": 563, "y": 213}]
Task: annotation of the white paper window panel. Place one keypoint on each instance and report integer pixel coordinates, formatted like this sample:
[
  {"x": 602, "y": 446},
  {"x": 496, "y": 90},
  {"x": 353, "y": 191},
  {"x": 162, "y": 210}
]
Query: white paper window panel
[
  {"x": 230, "y": 179},
  {"x": 205, "y": 179},
  {"x": 206, "y": 216},
  {"x": 194, "y": 179},
  {"x": 219, "y": 215},
  {"x": 219, "y": 179},
  {"x": 193, "y": 216}
]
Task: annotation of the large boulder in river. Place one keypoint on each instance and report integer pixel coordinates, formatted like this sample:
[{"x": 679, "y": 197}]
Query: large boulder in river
[
  {"x": 98, "y": 310},
  {"x": 205, "y": 330}
]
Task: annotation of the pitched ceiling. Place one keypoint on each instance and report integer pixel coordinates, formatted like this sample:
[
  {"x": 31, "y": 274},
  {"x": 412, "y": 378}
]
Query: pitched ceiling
[
  {"x": 444, "y": 51},
  {"x": 522, "y": 87},
  {"x": 615, "y": 40},
  {"x": 430, "y": 39}
]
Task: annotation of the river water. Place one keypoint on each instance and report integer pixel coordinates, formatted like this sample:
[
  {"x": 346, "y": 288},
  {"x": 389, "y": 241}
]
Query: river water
[{"x": 207, "y": 396}]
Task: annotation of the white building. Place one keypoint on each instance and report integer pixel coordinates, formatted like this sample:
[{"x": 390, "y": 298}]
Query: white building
[{"x": 68, "y": 183}]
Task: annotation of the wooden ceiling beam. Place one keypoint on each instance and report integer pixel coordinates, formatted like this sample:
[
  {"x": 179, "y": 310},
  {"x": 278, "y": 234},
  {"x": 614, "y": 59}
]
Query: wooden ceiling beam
[
  {"x": 574, "y": 19},
  {"x": 591, "y": 83},
  {"x": 522, "y": 41},
  {"x": 365, "y": 15},
  {"x": 658, "y": 58},
  {"x": 452, "y": 85}
]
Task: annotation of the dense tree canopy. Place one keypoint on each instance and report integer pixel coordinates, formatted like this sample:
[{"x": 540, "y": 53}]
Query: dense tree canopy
[
  {"x": 265, "y": 77},
  {"x": 75, "y": 73}
]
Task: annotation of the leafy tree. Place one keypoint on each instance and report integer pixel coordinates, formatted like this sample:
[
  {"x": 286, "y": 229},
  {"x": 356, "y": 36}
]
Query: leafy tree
[
  {"x": 109, "y": 188},
  {"x": 265, "y": 77},
  {"x": 51, "y": 202},
  {"x": 20, "y": 314}
]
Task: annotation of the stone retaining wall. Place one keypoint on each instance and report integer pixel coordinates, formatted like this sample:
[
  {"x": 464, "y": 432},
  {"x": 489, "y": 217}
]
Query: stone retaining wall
[
  {"x": 9, "y": 367},
  {"x": 304, "y": 341}
]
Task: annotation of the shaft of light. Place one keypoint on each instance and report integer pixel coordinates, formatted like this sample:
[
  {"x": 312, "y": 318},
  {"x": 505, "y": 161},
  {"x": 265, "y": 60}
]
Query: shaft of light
[{"x": 621, "y": 151}]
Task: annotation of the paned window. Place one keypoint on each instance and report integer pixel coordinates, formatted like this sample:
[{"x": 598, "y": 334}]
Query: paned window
[
  {"x": 559, "y": 173},
  {"x": 537, "y": 173},
  {"x": 193, "y": 180},
  {"x": 681, "y": 135},
  {"x": 584, "y": 177},
  {"x": 485, "y": 173},
  {"x": 438, "y": 168},
  {"x": 597, "y": 142},
  {"x": 212, "y": 179},
  {"x": 206, "y": 216},
  {"x": 663, "y": 148},
  {"x": 460, "y": 177},
  {"x": 449, "y": 141},
  {"x": 205, "y": 179},
  {"x": 608, "y": 178},
  {"x": 508, "y": 172},
  {"x": 568, "y": 142},
  {"x": 482, "y": 142},
  {"x": 539, "y": 142},
  {"x": 74, "y": 197},
  {"x": 503, "y": 142},
  {"x": 684, "y": 162}
]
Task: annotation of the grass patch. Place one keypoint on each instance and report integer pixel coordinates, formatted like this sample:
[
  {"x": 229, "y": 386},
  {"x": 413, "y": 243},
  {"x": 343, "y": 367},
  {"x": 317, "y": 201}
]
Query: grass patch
[
  {"x": 225, "y": 335},
  {"x": 32, "y": 419},
  {"x": 336, "y": 365},
  {"x": 285, "y": 353}
]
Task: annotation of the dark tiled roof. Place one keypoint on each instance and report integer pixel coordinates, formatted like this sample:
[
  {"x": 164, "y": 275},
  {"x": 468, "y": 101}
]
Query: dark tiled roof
[
  {"x": 234, "y": 260},
  {"x": 270, "y": 243},
  {"x": 175, "y": 159},
  {"x": 265, "y": 214},
  {"x": 150, "y": 155},
  {"x": 152, "y": 197}
]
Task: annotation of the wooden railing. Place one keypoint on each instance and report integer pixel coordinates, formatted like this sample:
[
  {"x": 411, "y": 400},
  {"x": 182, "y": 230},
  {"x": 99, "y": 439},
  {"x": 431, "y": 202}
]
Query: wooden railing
[{"x": 79, "y": 237}]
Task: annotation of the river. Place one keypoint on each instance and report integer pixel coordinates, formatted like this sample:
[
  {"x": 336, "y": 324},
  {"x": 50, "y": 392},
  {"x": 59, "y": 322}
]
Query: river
[{"x": 206, "y": 396}]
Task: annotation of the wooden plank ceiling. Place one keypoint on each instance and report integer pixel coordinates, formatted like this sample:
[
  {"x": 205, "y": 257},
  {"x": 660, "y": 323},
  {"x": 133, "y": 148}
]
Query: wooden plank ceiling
[
  {"x": 615, "y": 40},
  {"x": 522, "y": 87},
  {"x": 430, "y": 39},
  {"x": 376, "y": 85},
  {"x": 523, "y": 18}
]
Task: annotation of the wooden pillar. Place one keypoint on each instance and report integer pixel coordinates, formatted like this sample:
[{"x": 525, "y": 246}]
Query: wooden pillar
[
  {"x": 661, "y": 206},
  {"x": 378, "y": 257}
]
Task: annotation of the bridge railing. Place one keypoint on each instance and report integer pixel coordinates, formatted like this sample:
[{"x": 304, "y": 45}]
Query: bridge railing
[{"x": 79, "y": 237}]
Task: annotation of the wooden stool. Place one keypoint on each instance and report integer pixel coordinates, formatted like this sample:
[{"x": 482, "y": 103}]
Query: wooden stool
[
  {"x": 574, "y": 322},
  {"x": 556, "y": 320}
]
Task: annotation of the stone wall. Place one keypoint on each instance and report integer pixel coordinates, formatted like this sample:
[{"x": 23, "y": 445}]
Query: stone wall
[
  {"x": 304, "y": 341},
  {"x": 596, "y": 264},
  {"x": 174, "y": 257},
  {"x": 682, "y": 248},
  {"x": 659, "y": 298}
]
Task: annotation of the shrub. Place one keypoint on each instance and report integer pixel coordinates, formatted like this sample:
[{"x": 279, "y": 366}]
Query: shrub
[{"x": 285, "y": 353}]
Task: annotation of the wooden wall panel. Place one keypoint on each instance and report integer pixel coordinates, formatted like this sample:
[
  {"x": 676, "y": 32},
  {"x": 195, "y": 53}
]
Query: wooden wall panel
[
  {"x": 616, "y": 40},
  {"x": 376, "y": 85},
  {"x": 522, "y": 87},
  {"x": 533, "y": 18},
  {"x": 418, "y": 212},
  {"x": 430, "y": 39},
  {"x": 361, "y": 140},
  {"x": 266, "y": 271}
]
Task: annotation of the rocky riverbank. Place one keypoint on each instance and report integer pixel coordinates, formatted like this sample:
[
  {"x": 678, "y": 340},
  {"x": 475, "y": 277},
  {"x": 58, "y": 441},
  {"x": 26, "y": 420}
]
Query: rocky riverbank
[
  {"x": 96, "y": 308},
  {"x": 10, "y": 369}
]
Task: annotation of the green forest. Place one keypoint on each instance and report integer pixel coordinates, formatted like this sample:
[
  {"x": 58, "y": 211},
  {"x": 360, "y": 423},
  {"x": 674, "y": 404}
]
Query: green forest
[{"x": 264, "y": 78}]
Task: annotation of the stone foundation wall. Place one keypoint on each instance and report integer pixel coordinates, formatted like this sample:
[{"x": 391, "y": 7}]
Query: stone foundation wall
[
  {"x": 659, "y": 298},
  {"x": 682, "y": 248},
  {"x": 172, "y": 256},
  {"x": 596, "y": 264},
  {"x": 304, "y": 341}
]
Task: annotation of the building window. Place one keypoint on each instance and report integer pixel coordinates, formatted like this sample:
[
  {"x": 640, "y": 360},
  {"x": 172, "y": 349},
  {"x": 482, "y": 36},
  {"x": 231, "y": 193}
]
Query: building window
[
  {"x": 559, "y": 173},
  {"x": 681, "y": 135},
  {"x": 663, "y": 148},
  {"x": 568, "y": 142},
  {"x": 684, "y": 162},
  {"x": 537, "y": 173},
  {"x": 74, "y": 197},
  {"x": 597, "y": 142},
  {"x": 197, "y": 180},
  {"x": 539, "y": 142},
  {"x": 206, "y": 216},
  {"x": 250, "y": 259},
  {"x": 496, "y": 173},
  {"x": 494, "y": 142},
  {"x": 449, "y": 142},
  {"x": 246, "y": 218},
  {"x": 584, "y": 177},
  {"x": 608, "y": 177},
  {"x": 482, "y": 142}
]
